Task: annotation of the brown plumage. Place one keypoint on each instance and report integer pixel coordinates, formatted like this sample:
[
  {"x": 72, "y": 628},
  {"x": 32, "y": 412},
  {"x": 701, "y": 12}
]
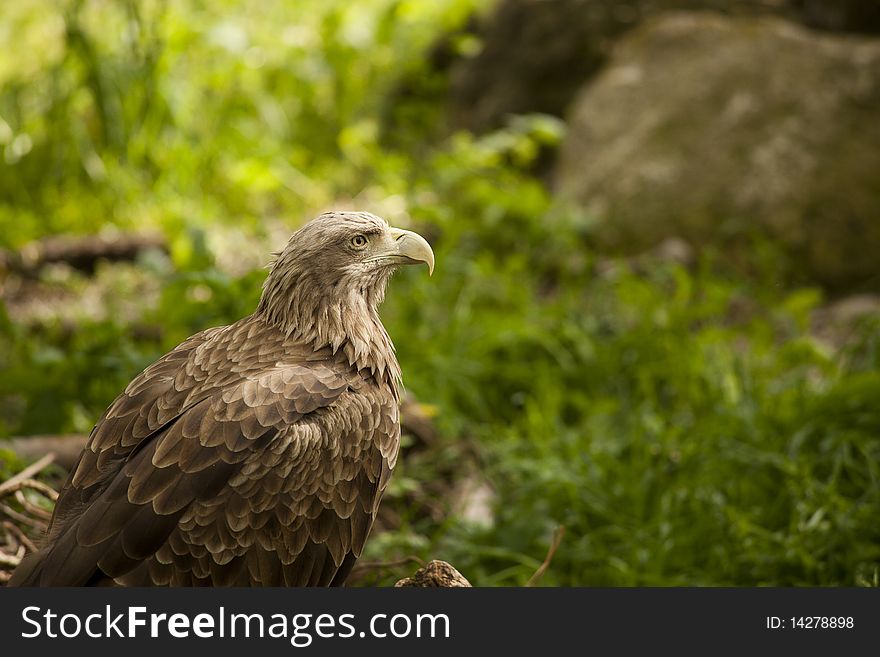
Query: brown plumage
[{"x": 251, "y": 454}]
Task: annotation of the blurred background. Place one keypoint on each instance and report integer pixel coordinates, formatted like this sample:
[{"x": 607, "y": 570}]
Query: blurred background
[{"x": 655, "y": 319}]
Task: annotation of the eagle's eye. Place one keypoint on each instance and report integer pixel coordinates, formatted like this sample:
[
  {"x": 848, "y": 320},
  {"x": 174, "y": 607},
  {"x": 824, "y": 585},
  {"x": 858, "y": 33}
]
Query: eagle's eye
[{"x": 359, "y": 241}]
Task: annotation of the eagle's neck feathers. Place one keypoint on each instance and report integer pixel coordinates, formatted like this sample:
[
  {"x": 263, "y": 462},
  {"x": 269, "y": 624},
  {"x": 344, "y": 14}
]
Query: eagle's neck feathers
[{"x": 342, "y": 315}]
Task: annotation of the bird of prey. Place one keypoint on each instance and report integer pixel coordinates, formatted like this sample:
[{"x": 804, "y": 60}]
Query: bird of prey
[{"x": 253, "y": 454}]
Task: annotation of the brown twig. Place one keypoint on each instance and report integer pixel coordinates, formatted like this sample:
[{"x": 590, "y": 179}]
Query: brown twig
[
  {"x": 12, "y": 483},
  {"x": 554, "y": 544},
  {"x": 34, "y": 517},
  {"x": 9, "y": 560},
  {"x": 32, "y": 508},
  {"x": 20, "y": 536},
  {"x": 39, "y": 525},
  {"x": 359, "y": 572},
  {"x": 12, "y": 559},
  {"x": 38, "y": 486},
  {"x": 378, "y": 565}
]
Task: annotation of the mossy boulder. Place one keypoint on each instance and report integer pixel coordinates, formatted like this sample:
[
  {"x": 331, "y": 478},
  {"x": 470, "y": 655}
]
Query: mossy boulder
[
  {"x": 535, "y": 54},
  {"x": 710, "y": 128}
]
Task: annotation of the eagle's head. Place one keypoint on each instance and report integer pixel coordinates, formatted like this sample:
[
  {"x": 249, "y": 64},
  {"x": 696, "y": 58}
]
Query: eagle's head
[
  {"x": 354, "y": 245},
  {"x": 326, "y": 283}
]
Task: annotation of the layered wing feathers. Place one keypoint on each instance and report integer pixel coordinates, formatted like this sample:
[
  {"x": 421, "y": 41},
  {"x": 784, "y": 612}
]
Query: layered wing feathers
[{"x": 236, "y": 459}]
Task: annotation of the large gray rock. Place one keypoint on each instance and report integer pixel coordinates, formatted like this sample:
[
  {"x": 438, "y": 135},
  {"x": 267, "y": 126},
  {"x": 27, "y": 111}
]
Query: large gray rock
[
  {"x": 537, "y": 53},
  {"x": 706, "y": 128}
]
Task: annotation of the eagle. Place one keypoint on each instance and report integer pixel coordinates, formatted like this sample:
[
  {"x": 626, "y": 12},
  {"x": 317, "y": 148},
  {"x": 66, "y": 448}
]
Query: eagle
[{"x": 253, "y": 454}]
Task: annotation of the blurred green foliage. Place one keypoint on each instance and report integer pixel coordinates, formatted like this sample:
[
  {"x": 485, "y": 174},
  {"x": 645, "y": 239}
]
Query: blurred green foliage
[{"x": 682, "y": 423}]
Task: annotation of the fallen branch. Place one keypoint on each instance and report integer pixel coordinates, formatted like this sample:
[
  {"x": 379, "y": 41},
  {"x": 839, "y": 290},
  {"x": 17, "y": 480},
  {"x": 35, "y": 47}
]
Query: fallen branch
[
  {"x": 67, "y": 448},
  {"x": 81, "y": 253}
]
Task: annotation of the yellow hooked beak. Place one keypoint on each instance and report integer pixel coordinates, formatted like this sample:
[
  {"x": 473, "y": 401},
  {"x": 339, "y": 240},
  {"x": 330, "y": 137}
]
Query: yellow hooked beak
[{"x": 409, "y": 248}]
